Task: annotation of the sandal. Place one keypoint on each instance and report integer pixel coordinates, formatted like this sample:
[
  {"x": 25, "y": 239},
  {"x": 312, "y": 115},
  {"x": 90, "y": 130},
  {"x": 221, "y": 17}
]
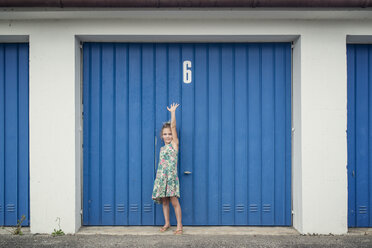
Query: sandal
[
  {"x": 178, "y": 231},
  {"x": 164, "y": 228}
]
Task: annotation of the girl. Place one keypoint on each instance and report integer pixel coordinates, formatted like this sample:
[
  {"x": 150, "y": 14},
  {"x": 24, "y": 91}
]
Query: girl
[{"x": 166, "y": 185}]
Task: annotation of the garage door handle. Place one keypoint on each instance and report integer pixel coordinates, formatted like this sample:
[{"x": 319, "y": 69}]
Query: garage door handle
[{"x": 187, "y": 172}]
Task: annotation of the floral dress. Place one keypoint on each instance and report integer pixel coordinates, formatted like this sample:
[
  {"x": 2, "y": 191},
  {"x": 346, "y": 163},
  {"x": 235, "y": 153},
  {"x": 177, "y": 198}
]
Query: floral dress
[{"x": 166, "y": 182}]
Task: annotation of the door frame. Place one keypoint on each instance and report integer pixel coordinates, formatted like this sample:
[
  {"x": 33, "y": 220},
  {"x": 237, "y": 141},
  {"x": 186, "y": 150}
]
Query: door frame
[{"x": 295, "y": 80}]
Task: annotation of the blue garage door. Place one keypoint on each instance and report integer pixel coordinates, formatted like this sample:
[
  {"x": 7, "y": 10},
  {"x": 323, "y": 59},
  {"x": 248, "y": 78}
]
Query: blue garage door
[
  {"x": 234, "y": 126},
  {"x": 14, "y": 164},
  {"x": 359, "y": 135}
]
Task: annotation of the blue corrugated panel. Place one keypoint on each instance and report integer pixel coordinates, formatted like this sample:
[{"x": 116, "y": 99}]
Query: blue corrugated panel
[
  {"x": 234, "y": 126},
  {"x": 14, "y": 150},
  {"x": 359, "y": 135}
]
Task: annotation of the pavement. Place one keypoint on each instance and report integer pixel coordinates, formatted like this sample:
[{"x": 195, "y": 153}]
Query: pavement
[{"x": 149, "y": 236}]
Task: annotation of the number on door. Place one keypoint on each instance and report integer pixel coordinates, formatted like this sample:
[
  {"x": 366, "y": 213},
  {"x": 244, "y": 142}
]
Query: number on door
[{"x": 187, "y": 71}]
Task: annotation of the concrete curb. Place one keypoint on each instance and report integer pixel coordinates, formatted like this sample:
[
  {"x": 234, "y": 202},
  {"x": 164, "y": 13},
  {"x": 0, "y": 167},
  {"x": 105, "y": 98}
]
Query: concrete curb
[
  {"x": 9, "y": 230},
  {"x": 189, "y": 230}
]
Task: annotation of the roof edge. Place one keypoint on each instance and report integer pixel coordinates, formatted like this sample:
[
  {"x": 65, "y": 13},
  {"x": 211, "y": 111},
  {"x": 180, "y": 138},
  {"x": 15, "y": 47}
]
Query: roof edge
[{"x": 186, "y": 3}]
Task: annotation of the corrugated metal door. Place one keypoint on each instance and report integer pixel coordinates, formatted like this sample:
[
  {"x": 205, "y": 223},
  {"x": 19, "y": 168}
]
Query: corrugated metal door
[
  {"x": 234, "y": 126},
  {"x": 359, "y": 135},
  {"x": 14, "y": 163}
]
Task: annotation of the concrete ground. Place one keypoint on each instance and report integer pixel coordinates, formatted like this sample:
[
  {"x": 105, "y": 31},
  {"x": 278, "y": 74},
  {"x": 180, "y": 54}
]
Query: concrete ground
[{"x": 149, "y": 236}]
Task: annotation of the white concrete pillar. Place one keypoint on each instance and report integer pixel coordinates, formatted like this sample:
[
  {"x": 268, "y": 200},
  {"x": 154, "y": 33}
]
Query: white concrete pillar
[
  {"x": 319, "y": 141},
  {"x": 54, "y": 175}
]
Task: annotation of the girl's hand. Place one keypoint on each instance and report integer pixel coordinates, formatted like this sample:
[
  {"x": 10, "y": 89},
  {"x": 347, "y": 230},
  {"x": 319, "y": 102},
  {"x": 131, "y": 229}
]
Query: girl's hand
[{"x": 173, "y": 107}]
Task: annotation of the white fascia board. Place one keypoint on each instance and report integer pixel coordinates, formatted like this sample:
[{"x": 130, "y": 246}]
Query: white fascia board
[
  {"x": 359, "y": 39},
  {"x": 190, "y": 13},
  {"x": 14, "y": 38},
  {"x": 187, "y": 38}
]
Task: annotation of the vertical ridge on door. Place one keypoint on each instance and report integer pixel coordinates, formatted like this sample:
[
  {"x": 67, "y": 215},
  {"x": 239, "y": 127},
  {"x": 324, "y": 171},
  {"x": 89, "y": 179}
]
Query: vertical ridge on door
[
  {"x": 214, "y": 133},
  {"x": 148, "y": 127},
  {"x": 11, "y": 134},
  {"x": 161, "y": 115},
  {"x": 254, "y": 134},
  {"x": 227, "y": 100},
  {"x": 107, "y": 135},
  {"x": 86, "y": 135},
  {"x": 23, "y": 136},
  {"x": 280, "y": 133},
  {"x": 200, "y": 130},
  {"x": 267, "y": 125},
  {"x": 186, "y": 143},
  {"x": 288, "y": 135},
  {"x": 95, "y": 137},
  {"x": 135, "y": 134},
  {"x": 241, "y": 135},
  {"x": 361, "y": 113},
  {"x": 2, "y": 134},
  {"x": 174, "y": 94},
  {"x": 121, "y": 137}
]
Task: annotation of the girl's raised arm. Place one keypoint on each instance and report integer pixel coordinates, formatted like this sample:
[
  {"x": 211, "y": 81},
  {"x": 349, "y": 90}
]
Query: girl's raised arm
[{"x": 172, "y": 109}]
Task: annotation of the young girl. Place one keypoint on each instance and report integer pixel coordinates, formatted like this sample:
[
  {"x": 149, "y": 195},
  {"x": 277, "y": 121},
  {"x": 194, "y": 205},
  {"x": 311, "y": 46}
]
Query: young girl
[{"x": 166, "y": 185}]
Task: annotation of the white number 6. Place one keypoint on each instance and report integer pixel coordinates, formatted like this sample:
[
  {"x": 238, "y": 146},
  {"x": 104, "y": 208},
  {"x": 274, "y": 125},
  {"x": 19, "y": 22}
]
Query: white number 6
[{"x": 187, "y": 72}]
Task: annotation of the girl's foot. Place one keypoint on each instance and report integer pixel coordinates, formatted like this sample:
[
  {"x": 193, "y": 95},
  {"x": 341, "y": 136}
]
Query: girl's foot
[
  {"x": 178, "y": 231},
  {"x": 164, "y": 228}
]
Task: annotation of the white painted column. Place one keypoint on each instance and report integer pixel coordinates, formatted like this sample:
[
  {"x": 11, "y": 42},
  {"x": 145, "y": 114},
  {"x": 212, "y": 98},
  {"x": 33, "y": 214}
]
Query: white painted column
[
  {"x": 54, "y": 179},
  {"x": 296, "y": 138},
  {"x": 320, "y": 151}
]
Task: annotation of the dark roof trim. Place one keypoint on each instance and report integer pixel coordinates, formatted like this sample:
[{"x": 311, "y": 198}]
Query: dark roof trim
[{"x": 187, "y": 3}]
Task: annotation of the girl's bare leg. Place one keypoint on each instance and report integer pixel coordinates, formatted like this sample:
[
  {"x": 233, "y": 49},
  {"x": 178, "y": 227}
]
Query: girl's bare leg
[
  {"x": 165, "y": 202},
  {"x": 177, "y": 210}
]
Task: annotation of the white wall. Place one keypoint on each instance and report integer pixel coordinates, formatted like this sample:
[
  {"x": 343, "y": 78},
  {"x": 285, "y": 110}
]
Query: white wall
[
  {"x": 296, "y": 137},
  {"x": 319, "y": 88},
  {"x": 323, "y": 132},
  {"x": 52, "y": 132}
]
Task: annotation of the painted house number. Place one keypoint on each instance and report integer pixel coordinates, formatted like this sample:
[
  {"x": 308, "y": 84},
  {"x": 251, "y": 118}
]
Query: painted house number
[{"x": 187, "y": 71}]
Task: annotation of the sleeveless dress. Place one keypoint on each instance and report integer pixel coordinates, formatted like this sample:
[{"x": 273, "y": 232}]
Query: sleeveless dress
[{"x": 166, "y": 183}]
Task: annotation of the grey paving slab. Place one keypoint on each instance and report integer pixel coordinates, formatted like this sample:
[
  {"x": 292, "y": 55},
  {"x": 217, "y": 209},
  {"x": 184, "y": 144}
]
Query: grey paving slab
[
  {"x": 186, "y": 240},
  {"x": 193, "y": 237}
]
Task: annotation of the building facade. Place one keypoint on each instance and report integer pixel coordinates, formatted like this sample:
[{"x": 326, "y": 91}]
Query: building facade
[{"x": 274, "y": 124}]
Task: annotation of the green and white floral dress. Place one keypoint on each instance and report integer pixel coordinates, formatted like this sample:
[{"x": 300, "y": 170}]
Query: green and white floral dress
[{"x": 166, "y": 182}]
